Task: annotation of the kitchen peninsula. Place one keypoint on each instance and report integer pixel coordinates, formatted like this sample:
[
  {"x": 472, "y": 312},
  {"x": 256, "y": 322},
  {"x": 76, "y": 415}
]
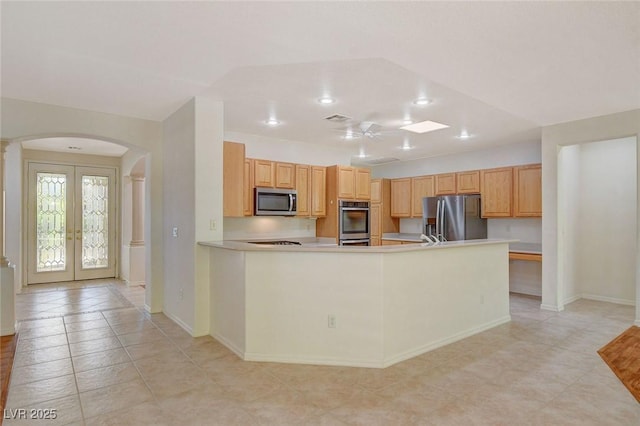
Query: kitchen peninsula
[{"x": 354, "y": 306}]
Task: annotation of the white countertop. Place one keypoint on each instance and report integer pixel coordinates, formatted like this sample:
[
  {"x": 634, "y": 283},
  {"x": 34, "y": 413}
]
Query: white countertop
[
  {"x": 399, "y": 236},
  {"x": 319, "y": 246},
  {"x": 528, "y": 248}
]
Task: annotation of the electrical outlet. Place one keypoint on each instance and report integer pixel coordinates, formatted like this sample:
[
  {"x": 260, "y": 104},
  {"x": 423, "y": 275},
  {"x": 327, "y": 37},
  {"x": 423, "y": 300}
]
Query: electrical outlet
[
  {"x": 212, "y": 225},
  {"x": 331, "y": 321},
  {"x": 174, "y": 232}
]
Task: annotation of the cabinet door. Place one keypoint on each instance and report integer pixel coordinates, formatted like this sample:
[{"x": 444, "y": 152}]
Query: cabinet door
[
  {"x": 374, "y": 216},
  {"x": 446, "y": 184},
  {"x": 285, "y": 175},
  {"x": 248, "y": 187},
  {"x": 527, "y": 191},
  {"x": 363, "y": 184},
  {"x": 263, "y": 173},
  {"x": 346, "y": 183},
  {"x": 468, "y": 182},
  {"x": 318, "y": 191},
  {"x": 303, "y": 186},
  {"x": 401, "y": 197},
  {"x": 497, "y": 190},
  {"x": 232, "y": 179},
  {"x": 376, "y": 190},
  {"x": 421, "y": 186}
]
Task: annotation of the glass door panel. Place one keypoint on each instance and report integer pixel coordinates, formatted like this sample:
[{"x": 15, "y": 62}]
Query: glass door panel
[
  {"x": 71, "y": 215},
  {"x": 50, "y": 232},
  {"x": 95, "y": 249}
]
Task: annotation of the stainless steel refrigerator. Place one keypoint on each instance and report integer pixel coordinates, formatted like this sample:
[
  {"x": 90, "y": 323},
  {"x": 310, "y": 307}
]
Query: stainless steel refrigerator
[{"x": 453, "y": 217}]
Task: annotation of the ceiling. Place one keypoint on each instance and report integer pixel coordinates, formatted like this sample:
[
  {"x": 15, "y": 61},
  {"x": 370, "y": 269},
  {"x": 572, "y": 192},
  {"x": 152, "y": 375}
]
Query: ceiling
[
  {"x": 73, "y": 145},
  {"x": 499, "y": 70}
]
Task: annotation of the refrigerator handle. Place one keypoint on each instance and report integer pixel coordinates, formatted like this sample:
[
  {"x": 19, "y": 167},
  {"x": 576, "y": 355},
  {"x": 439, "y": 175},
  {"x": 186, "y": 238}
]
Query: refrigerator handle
[
  {"x": 438, "y": 219},
  {"x": 442, "y": 229}
]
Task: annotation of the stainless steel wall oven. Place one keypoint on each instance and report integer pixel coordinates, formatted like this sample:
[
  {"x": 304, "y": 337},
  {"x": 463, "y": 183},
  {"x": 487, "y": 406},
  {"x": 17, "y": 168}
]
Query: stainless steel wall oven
[{"x": 354, "y": 222}]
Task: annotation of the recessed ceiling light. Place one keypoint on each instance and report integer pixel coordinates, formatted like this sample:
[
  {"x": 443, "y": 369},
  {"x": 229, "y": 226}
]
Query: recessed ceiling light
[
  {"x": 272, "y": 122},
  {"x": 326, "y": 100},
  {"x": 421, "y": 102},
  {"x": 407, "y": 121},
  {"x": 424, "y": 126},
  {"x": 464, "y": 135}
]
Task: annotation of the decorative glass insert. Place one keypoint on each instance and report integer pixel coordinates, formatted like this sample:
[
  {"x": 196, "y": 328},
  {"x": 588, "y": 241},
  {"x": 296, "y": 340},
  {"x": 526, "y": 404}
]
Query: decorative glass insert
[
  {"x": 51, "y": 215},
  {"x": 95, "y": 222}
]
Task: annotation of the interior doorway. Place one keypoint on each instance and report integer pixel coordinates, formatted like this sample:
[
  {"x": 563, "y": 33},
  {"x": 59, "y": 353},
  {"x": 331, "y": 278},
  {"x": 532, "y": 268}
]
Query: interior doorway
[{"x": 71, "y": 222}]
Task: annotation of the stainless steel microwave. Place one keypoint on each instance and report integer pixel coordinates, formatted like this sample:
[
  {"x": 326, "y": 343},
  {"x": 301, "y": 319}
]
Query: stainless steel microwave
[{"x": 275, "y": 202}]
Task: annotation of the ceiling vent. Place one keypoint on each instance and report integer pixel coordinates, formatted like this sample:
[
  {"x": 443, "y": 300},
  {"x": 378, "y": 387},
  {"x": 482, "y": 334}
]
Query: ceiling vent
[{"x": 337, "y": 118}]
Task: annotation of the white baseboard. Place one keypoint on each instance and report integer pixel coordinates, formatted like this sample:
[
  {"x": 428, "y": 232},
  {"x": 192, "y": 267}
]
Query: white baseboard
[
  {"x": 355, "y": 362},
  {"x": 297, "y": 359},
  {"x": 134, "y": 283},
  {"x": 229, "y": 345},
  {"x": 553, "y": 308},
  {"x": 178, "y": 321},
  {"x": 443, "y": 342},
  {"x": 609, "y": 299},
  {"x": 637, "y": 322},
  {"x": 8, "y": 331},
  {"x": 572, "y": 299}
]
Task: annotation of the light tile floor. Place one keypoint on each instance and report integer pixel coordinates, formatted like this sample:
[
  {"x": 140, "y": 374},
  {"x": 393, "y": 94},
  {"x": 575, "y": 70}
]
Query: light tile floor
[{"x": 114, "y": 364}]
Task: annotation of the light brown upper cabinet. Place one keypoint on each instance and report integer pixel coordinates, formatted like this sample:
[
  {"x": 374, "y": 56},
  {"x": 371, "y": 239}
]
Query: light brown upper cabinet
[
  {"x": 421, "y": 186},
  {"x": 354, "y": 183},
  {"x": 527, "y": 191},
  {"x": 285, "y": 175},
  {"x": 468, "y": 182},
  {"x": 445, "y": 184},
  {"x": 363, "y": 183},
  {"x": 248, "y": 187},
  {"x": 346, "y": 182},
  {"x": 303, "y": 189},
  {"x": 376, "y": 191},
  {"x": 263, "y": 173},
  {"x": 233, "y": 179},
  {"x": 318, "y": 191},
  {"x": 496, "y": 187},
  {"x": 401, "y": 197}
]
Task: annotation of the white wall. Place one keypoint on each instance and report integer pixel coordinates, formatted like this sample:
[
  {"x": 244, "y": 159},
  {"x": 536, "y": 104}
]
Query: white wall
[
  {"x": 501, "y": 156},
  {"x": 22, "y": 120},
  {"x": 274, "y": 149},
  {"x": 605, "y": 242},
  {"x": 179, "y": 206},
  {"x": 609, "y": 127},
  {"x": 193, "y": 201},
  {"x": 569, "y": 205},
  {"x": 13, "y": 210},
  {"x": 243, "y": 228}
]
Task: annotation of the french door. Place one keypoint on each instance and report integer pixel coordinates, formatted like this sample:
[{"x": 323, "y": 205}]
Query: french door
[{"x": 71, "y": 223}]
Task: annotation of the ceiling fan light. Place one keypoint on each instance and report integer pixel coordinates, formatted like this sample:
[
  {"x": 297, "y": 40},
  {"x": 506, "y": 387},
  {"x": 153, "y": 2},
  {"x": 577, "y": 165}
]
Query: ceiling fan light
[
  {"x": 272, "y": 122},
  {"x": 422, "y": 102},
  {"x": 326, "y": 100}
]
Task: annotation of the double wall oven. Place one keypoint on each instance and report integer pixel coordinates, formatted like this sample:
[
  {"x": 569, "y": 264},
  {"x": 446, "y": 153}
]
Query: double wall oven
[{"x": 354, "y": 223}]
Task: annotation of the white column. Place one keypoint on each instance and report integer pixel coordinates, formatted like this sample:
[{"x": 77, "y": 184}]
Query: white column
[
  {"x": 137, "y": 211},
  {"x": 7, "y": 271},
  {"x": 3, "y": 260}
]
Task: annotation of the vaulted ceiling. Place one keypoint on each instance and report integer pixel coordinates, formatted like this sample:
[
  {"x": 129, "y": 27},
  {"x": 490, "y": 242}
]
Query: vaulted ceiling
[{"x": 498, "y": 70}]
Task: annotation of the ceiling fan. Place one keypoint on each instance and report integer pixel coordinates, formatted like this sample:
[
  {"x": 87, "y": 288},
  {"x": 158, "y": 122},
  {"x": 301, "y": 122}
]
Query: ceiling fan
[{"x": 359, "y": 129}]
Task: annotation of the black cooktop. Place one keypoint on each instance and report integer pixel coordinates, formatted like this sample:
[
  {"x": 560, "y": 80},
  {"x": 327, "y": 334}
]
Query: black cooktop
[{"x": 277, "y": 243}]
